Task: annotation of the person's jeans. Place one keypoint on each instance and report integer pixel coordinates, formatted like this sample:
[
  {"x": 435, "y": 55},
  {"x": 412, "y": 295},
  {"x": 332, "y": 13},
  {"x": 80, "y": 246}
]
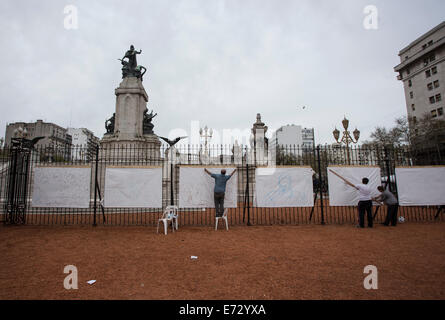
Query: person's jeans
[
  {"x": 362, "y": 207},
  {"x": 219, "y": 203},
  {"x": 391, "y": 216}
]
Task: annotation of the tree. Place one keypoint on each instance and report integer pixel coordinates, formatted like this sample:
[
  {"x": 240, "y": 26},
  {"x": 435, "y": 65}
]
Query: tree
[
  {"x": 402, "y": 131},
  {"x": 427, "y": 136},
  {"x": 423, "y": 139},
  {"x": 397, "y": 136}
]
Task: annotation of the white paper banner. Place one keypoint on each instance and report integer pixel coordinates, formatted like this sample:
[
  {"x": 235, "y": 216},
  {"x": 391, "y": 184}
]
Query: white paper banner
[
  {"x": 341, "y": 194},
  {"x": 196, "y": 188},
  {"x": 133, "y": 188},
  {"x": 61, "y": 187},
  {"x": 284, "y": 187},
  {"x": 421, "y": 186}
]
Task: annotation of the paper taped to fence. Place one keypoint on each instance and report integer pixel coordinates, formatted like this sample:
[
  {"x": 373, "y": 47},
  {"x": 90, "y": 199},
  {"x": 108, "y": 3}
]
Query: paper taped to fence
[
  {"x": 133, "y": 188},
  {"x": 61, "y": 187},
  {"x": 284, "y": 187},
  {"x": 342, "y": 194},
  {"x": 419, "y": 186},
  {"x": 196, "y": 188}
]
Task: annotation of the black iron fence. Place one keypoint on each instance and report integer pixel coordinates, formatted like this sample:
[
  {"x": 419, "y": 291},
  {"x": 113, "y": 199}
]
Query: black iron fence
[{"x": 17, "y": 168}]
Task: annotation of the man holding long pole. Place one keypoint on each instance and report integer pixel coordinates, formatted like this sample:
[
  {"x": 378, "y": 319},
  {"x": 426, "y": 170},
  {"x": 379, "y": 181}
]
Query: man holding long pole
[{"x": 365, "y": 200}]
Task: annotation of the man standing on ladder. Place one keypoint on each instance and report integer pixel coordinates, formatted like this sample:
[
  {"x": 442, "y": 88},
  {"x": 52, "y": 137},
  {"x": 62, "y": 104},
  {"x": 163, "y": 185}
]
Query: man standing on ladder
[{"x": 220, "y": 189}]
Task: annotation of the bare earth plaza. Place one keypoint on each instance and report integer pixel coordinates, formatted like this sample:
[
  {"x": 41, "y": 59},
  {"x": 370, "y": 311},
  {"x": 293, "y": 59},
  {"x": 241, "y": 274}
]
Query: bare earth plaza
[{"x": 137, "y": 199}]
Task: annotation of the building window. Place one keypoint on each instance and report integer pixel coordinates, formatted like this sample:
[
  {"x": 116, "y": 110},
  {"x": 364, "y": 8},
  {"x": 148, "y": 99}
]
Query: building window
[
  {"x": 414, "y": 120},
  {"x": 413, "y": 107},
  {"x": 430, "y": 86},
  {"x": 434, "y": 70},
  {"x": 408, "y": 71},
  {"x": 436, "y": 84},
  {"x": 440, "y": 112},
  {"x": 411, "y": 94},
  {"x": 438, "y": 97},
  {"x": 433, "y": 114},
  {"x": 430, "y": 43},
  {"x": 410, "y": 83},
  {"x": 424, "y": 46},
  {"x": 425, "y": 62},
  {"x": 432, "y": 100},
  {"x": 428, "y": 73},
  {"x": 433, "y": 58}
]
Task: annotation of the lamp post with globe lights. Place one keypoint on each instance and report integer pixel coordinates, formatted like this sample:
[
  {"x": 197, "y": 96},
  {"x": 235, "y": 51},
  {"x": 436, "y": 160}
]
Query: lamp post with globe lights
[{"x": 347, "y": 139}]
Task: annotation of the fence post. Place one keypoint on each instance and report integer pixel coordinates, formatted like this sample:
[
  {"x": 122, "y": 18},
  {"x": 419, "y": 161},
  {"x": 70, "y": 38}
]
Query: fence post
[
  {"x": 321, "y": 184},
  {"x": 95, "y": 185},
  {"x": 248, "y": 193},
  {"x": 388, "y": 169},
  {"x": 171, "y": 179},
  {"x": 11, "y": 209}
]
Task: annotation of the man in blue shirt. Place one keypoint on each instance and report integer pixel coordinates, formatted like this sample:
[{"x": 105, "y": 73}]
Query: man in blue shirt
[{"x": 220, "y": 189}]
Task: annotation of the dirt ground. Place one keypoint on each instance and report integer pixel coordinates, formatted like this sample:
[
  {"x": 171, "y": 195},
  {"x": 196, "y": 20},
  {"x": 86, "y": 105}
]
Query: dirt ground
[{"x": 278, "y": 262}]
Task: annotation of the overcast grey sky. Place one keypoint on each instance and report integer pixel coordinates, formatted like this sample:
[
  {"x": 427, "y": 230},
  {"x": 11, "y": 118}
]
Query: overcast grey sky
[{"x": 219, "y": 62}]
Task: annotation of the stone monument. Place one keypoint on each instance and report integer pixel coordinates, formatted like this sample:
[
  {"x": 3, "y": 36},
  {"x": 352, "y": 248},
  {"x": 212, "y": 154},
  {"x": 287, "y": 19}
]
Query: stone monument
[
  {"x": 129, "y": 132},
  {"x": 259, "y": 143}
]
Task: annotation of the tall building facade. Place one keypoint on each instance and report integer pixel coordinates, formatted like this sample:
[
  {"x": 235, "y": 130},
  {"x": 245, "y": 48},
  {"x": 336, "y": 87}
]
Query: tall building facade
[
  {"x": 308, "y": 138},
  {"x": 289, "y": 135},
  {"x": 293, "y": 135},
  {"x": 422, "y": 70},
  {"x": 53, "y": 134},
  {"x": 84, "y": 143}
]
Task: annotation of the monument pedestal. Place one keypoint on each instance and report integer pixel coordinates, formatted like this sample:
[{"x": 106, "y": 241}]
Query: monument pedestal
[{"x": 127, "y": 142}]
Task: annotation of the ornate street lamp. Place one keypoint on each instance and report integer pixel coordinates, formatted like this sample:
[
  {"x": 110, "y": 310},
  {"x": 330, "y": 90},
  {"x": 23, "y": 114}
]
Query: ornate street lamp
[{"x": 347, "y": 139}]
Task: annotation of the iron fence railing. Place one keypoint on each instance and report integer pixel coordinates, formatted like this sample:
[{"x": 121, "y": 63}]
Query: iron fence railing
[{"x": 17, "y": 168}]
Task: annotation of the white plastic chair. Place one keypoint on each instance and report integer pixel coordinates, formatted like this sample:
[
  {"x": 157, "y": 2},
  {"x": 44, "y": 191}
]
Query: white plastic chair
[
  {"x": 170, "y": 215},
  {"x": 224, "y": 217}
]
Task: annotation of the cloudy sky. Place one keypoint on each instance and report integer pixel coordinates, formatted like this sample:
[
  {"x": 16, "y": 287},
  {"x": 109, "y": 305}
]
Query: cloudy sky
[{"x": 210, "y": 62}]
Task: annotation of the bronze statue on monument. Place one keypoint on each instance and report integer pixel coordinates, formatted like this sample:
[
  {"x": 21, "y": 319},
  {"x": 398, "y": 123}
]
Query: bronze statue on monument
[
  {"x": 130, "y": 67},
  {"x": 131, "y": 123},
  {"x": 109, "y": 124},
  {"x": 147, "y": 126}
]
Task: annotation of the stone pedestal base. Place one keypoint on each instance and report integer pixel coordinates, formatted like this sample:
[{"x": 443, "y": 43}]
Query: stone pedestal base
[{"x": 144, "y": 150}]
